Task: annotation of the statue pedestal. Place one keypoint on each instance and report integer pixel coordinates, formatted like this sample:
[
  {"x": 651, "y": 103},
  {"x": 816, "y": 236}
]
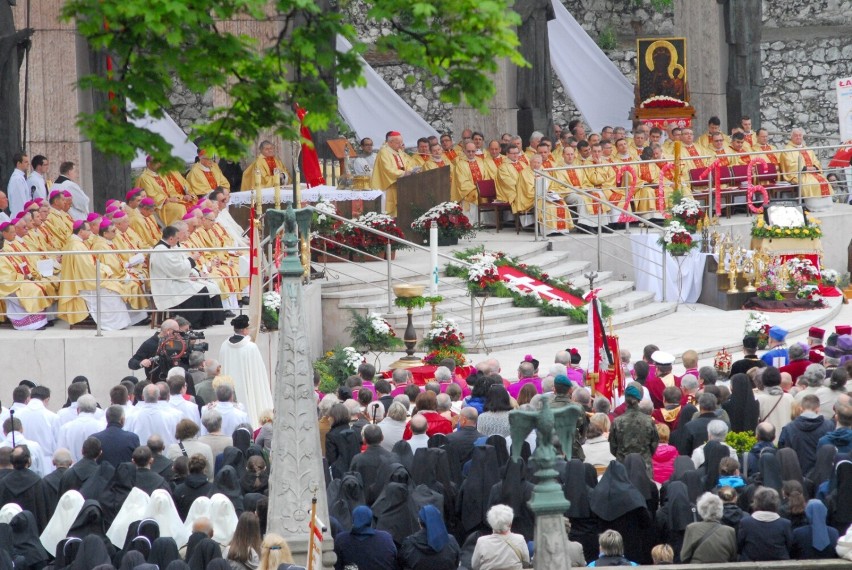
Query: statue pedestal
[{"x": 551, "y": 541}]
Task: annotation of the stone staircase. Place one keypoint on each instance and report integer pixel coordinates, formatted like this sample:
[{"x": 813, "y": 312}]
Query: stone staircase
[{"x": 505, "y": 326}]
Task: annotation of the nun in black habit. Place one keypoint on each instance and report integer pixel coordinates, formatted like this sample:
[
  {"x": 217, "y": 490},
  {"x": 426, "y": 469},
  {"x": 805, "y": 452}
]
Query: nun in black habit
[
  {"x": 227, "y": 483},
  {"x": 674, "y": 516},
  {"x": 472, "y": 502},
  {"x": 516, "y": 492},
  {"x": 395, "y": 511},
  {"x": 93, "y": 552},
  {"x": 638, "y": 475},
  {"x": 431, "y": 467},
  {"x": 116, "y": 491},
  {"x": 344, "y": 495},
  {"x": 621, "y": 507},
  {"x": 578, "y": 480},
  {"x": 26, "y": 546}
]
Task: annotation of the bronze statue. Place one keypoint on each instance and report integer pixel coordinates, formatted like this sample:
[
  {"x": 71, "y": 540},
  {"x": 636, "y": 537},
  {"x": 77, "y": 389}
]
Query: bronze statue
[{"x": 13, "y": 45}]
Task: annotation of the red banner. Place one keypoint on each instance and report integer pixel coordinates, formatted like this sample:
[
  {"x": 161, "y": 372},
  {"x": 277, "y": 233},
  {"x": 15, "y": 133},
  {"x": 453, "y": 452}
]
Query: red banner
[
  {"x": 310, "y": 160},
  {"x": 526, "y": 283}
]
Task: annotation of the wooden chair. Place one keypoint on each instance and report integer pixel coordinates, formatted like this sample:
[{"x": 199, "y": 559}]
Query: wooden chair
[{"x": 486, "y": 199}]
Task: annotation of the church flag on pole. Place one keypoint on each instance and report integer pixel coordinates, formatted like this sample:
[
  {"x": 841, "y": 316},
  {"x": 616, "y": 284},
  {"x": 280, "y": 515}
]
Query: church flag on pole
[
  {"x": 600, "y": 347},
  {"x": 255, "y": 307},
  {"x": 310, "y": 159}
]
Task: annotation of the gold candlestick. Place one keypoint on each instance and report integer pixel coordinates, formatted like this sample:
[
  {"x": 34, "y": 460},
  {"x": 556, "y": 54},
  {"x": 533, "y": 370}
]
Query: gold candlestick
[
  {"x": 750, "y": 273},
  {"x": 297, "y": 191},
  {"x": 732, "y": 279},
  {"x": 258, "y": 195}
]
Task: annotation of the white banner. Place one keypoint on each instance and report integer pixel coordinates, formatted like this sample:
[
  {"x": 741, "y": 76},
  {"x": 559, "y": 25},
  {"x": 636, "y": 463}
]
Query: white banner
[{"x": 844, "y": 107}]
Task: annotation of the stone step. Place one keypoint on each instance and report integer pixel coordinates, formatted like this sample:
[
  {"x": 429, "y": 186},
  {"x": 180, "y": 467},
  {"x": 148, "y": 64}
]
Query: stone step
[{"x": 567, "y": 332}]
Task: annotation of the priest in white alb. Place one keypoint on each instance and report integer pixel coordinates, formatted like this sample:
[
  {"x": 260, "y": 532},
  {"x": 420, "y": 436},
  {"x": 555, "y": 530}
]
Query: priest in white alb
[{"x": 241, "y": 360}]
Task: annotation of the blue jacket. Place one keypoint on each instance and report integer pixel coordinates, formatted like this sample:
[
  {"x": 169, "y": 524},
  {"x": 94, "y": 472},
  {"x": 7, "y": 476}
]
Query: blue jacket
[{"x": 840, "y": 438}]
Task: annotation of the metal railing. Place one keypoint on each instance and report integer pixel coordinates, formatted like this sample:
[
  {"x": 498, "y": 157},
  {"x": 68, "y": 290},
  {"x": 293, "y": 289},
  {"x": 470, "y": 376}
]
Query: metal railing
[
  {"x": 101, "y": 280},
  {"x": 385, "y": 285}
]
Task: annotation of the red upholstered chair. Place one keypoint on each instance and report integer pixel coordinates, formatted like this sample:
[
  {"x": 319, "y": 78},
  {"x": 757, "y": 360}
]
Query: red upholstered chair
[
  {"x": 486, "y": 198},
  {"x": 769, "y": 179}
]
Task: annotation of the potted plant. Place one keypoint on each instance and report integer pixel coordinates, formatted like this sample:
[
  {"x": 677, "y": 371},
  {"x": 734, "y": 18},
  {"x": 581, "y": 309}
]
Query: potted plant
[
  {"x": 372, "y": 333},
  {"x": 383, "y": 223},
  {"x": 271, "y": 302},
  {"x": 482, "y": 273},
  {"x": 324, "y": 231},
  {"x": 757, "y": 326},
  {"x": 452, "y": 223},
  {"x": 677, "y": 240},
  {"x": 336, "y": 366},
  {"x": 687, "y": 211},
  {"x": 443, "y": 340}
]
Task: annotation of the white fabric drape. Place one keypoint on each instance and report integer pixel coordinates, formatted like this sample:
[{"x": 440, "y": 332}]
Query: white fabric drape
[
  {"x": 166, "y": 127},
  {"x": 375, "y": 109},
  {"x": 683, "y": 274},
  {"x": 599, "y": 90}
]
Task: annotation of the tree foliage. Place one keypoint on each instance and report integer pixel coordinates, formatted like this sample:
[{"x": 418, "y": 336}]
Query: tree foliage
[{"x": 155, "y": 42}]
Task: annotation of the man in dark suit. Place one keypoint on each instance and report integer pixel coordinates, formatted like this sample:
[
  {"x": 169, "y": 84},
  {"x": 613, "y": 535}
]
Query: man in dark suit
[
  {"x": 461, "y": 442},
  {"x": 23, "y": 487},
  {"x": 77, "y": 475},
  {"x": 371, "y": 460},
  {"x": 147, "y": 480},
  {"x": 695, "y": 430},
  {"x": 160, "y": 464},
  {"x": 117, "y": 444},
  {"x": 62, "y": 461}
]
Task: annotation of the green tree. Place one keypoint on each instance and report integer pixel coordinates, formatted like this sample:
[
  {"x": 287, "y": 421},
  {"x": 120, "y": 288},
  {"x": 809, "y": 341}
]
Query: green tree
[{"x": 152, "y": 43}]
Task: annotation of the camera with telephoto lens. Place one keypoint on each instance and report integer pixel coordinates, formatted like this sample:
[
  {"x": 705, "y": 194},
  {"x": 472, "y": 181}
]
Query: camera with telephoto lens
[{"x": 191, "y": 338}]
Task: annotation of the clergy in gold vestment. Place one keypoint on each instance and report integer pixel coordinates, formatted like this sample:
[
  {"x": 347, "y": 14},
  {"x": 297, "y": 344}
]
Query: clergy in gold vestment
[
  {"x": 552, "y": 212},
  {"x": 802, "y": 167},
  {"x": 422, "y": 155},
  {"x": 769, "y": 151},
  {"x": 493, "y": 159},
  {"x": 57, "y": 226},
  {"x": 170, "y": 207},
  {"x": 265, "y": 163},
  {"x": 391, "y": 163},
  {"x": 691, "y": 152},
  {"x": 469, "y": 171},
  {"x": 26, "y": 293},
  {"x": 78, "y": 274},
  {"x": 437, "y": 159},
  {"x": 205, "y": 175},
  {"x": 506, "y": 183},
  {"x": 118, "y": 279},
  {"x": 143, "y": 223}
]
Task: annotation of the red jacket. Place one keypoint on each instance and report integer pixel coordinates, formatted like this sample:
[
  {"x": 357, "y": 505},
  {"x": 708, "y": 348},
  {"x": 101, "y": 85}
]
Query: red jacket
[
  {"x": 796, "y": 368},
  {"x": 436, "y": 423}
]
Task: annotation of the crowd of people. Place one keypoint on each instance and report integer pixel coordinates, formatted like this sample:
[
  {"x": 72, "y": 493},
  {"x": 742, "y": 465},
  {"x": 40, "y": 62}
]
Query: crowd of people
[{"x": 176, "y": 475}]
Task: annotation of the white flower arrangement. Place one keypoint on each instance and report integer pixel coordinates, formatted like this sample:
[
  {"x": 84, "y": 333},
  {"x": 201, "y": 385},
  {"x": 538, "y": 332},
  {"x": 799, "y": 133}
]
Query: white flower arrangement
[
  {"x": 673, "y": 229},
  {"x": 354, "y": 359},
  {"x": 830, "y": 276},
  {"x": 687, "y": 207},
  {"x": 511, "y": 286},
  {"x": 375, "y": 219},
  {"x": 560, "y": 304},
  {"x": 802, "y": 267},
  {"x": 323, "y": 208},
  {"x": 272, "y": 300},
  {"x": 443, "y": 327},
  {"x": 435, "y": 212},
  {"x": 755, "y": 322},
  {"x": 379, "y": 325},
  {"x": 483, "y": 268}
]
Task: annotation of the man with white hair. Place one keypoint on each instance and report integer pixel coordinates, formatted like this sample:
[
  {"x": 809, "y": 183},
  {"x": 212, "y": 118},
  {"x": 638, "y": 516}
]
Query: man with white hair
[
  {"x": 149, "y": 419},
  {"x": 708, "y": 541},
  {"x": 391, "y": 164},
  {"x": 393, "y": 425},
  {"x": 717, "y": 430},
  {"x": 61, "y": 462},
  {"x": 535, "y": 138},
  {"x": 444, "y": 407},
  {"x": 74, "y": 433},
  {"x": 443, "y": 375},
  {"x": 232, "y": 416}
]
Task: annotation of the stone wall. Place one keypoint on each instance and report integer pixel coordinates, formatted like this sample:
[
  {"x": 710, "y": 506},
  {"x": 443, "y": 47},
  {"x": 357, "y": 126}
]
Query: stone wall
[
  {"x": 798, "y": 85},
  {"x": 794, "y": 13}
]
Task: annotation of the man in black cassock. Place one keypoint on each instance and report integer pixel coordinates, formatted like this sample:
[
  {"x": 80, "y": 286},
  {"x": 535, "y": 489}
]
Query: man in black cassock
[
  {"x": 77, "y": 475},
  {"x": 24, "y": 487},
  {"x": 62, "y": 461}
]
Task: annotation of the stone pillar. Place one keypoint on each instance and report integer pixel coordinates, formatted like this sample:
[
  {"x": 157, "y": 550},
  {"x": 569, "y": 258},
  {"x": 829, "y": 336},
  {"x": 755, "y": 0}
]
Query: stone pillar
[
  {"x": 743, "y": 27},
  {"x": 703, "y": 26},
  {"x": 503, "y": 112},
  {"x": 296, "y": 470}
]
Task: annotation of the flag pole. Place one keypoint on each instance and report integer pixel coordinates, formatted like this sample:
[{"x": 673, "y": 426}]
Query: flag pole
[{"x": 311, "y": 545}]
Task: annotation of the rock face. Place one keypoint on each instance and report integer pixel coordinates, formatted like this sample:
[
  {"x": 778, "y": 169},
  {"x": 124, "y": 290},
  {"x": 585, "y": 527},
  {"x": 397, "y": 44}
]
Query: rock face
[{"x": 805, "y": 48}]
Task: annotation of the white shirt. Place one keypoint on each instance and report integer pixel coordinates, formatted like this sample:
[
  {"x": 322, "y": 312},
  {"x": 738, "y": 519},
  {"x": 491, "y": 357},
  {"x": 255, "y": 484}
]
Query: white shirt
[
  {"x": 363, "y": 165},
  {"x": 36, "y": 452},
  {"x": 79, "y": 200},
  {"x": 420, "y": 441},
  {"x": 37, "y": 186},
  {"x": 74, "y": 433},
  {"x": 698, "y": 454},
  {"x": 41, "y": 425},
  {"x": 187, "y": 409},
  {"x": 70, "y": 413},
  {"x": 150, "y": 420},
  {"x": 16, "y": 406},
  {"x": 392, "y": 431},
  {"x": 232, "y": 416},
  {"x": 17, "y": 191}
]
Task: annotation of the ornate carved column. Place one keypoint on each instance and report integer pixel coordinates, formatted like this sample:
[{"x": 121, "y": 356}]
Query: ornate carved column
[{"x": 296, "y": 471}]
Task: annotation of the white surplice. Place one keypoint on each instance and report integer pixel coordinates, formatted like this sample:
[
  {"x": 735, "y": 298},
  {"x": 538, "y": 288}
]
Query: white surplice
[
  {"x": 74, "y": 433},
  {"x": 241, "y": 360},
  {"x": 149, "y": 420}
]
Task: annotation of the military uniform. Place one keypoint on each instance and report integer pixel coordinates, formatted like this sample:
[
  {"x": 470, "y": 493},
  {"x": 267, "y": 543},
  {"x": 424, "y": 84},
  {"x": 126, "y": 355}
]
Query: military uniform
[{"x": 633, "y": 432}]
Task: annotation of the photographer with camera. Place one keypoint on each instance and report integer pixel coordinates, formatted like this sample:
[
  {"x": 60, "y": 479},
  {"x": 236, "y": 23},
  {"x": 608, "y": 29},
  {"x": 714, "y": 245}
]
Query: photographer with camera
[{"x": 146, "y": 356}]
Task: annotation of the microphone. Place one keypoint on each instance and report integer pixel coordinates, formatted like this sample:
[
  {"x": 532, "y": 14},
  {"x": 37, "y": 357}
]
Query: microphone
[{"x": 12, "y": 421}]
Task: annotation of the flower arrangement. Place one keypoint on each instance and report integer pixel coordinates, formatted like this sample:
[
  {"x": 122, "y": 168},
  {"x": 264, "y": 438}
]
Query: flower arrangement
[
  {"x": 761, "y": 229},
  {"x": 336, "y": 366},
  {"x": 270, "y": 309},
  {"x": 372, "y": 333},
  {"x": 444, "y": 340},
  {"x": 830, "y": 277},
  {"x": 677, "y": 240},
  {"x": 801, "y": 272},
  {"x": 483, "y": 271},
  {"x": 662, "y": 102},
  {"x": 321, "y": 221},
  {"x": 687, "y": 211},
  {"x": 758, "y": 326},
  {"x": 383, "y": 223},
  {"x": 809, "y": 292},
  {"x": 452, "y": 222}
]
